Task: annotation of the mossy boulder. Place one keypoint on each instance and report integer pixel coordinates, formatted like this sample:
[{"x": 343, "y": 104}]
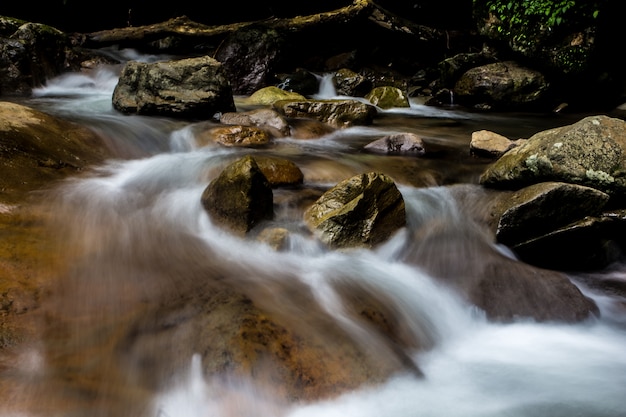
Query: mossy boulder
[{"x": 590, "y": 152}]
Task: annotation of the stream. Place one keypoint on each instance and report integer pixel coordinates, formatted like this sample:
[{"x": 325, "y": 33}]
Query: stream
[{"x": 135, "y": 230}]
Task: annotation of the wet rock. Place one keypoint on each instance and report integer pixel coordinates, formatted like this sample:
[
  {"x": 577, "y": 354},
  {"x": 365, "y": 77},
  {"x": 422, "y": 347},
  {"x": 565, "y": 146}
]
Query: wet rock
[
  {"x": 399, "y": 143},
  {"x": 491, "y": 144},
  {"x": 337, "y": 113},
  {"x": 275, "y": 237},
  {"x": 250, "y": 56},
  {"x": 37, "y": 149},
  {"x": 501, "y": 85},
  {"x": 362, "y": 211},
  {"x": 194, "y": 88},
  {"x": 465, "y": 258},
  {"x": 270, "y": 95},
  {"x": 350, "y": 83},
  {"x": 589, "y": 152},
  {"x": 541, "y": 208},
  {"x": 30, "y": 54},
  {"x": 387, "y": 97},
  {"x": 234, "y": 136},
  {"x": 264, "y": 118},
  {"x": 300, "y": 81},
  {"x": 309, "y": 129},
  {"x": 240, "y": 197},
  {"x": 280, "y": 172}
]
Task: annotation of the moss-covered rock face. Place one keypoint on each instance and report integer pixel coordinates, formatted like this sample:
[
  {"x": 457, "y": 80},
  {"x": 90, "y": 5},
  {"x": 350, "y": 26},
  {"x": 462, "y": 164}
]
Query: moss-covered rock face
[
  {"x": 361, "y": 211},
  {"x": 590, "y": 152}
]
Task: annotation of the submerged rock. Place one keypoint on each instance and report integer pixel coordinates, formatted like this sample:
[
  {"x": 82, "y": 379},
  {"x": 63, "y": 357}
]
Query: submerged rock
[
  {"x": 398, "y": 143},
  {"x": 361, "y": 211},
  {"x": 240, "y": 197}
]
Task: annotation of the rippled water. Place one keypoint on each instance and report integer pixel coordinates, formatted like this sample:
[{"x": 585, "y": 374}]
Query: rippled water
[{"x": 135, "y": 232}]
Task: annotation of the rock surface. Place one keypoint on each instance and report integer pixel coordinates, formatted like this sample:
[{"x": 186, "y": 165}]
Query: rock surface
[
  {"x": 194, "y": 88},
  {"x": 362, "y": 211},
  {"x": 590, "y": 152},
  {"x": 240, "y": 197}
]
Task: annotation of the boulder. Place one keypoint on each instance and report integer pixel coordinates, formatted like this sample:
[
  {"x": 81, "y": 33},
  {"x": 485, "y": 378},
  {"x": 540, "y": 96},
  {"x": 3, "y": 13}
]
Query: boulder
[
  {"x": 387, "y": 97},
  {"x": 234, "y": 136},
  {"x": 362, "y": 211},
  {"x": 541, "y": 208},
  {"x": 240, "y": 197},
  {"x": 309, "y": 129},
  {"x": 398, "y": 143},
  {"x": 264, "y": 118},
  {"x": 350, "y": 83},
  {"x": 30, "y": 54},
  {"x": 501, "y": 85},
  {"x": 270, "y": 95},
  {"x": 589, "y": 152},
  {"x": 463, "y": 257},
  {"x": 491, "y": 144},
  {"x": 337, "y": 113},
  {"x": 195, "y": 88},
  {"x": 250, "y": 56},
  {"x": 37, "y": 149}
]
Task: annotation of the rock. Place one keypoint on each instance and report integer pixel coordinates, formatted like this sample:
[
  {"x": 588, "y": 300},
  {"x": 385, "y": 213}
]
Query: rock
[
  {"x": 590, "y": 152},
  {"x": 301, "y": 81},
  {"x": 350, "y": 83},
  {"x": 270, "y": 95},
  {"x": 279, "y": 172},
  {"x": 234, "y": 136},
  {"x": 541, "y": 208},
  {"x": 275, "y": 237},
  {"x": 240, "y": 197},
  {"x": 310, "y": 129},
  {"x": 337, "y": 113},
  {"x": 194, "y": 88},
  {"x": 361, "y": 211},
  {"x": 501, "y": 85},
  {"x": 264, "y": 118},
  {"x": 250, "y": 57},
  {"x": 37, "y": 149},
  {"x": 30, "y": 54},
  {"x": 491, "y": 144},
  {"x": 464, "y": 258},
  {"x": 387, "y": 97},
  {"x": 399, "y": 143}
]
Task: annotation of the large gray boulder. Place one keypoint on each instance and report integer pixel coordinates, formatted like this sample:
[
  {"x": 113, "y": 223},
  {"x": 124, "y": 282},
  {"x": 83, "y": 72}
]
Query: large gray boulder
[
  {"x": 589, "y": 152},
  {"x": 361, "y": 211},
  {"x": 501, "y": 85},
  {"x": 240, "y": 197},
  {"x": 187, "y": 88}
]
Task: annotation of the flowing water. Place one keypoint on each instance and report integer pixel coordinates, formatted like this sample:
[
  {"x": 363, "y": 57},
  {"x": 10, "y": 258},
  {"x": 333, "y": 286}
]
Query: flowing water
[{"x": 134, "y": 231}]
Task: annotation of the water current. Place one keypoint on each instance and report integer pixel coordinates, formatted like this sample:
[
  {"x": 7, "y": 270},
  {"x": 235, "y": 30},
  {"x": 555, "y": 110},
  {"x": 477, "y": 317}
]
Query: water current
[{"x": 136, "y": 231}]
